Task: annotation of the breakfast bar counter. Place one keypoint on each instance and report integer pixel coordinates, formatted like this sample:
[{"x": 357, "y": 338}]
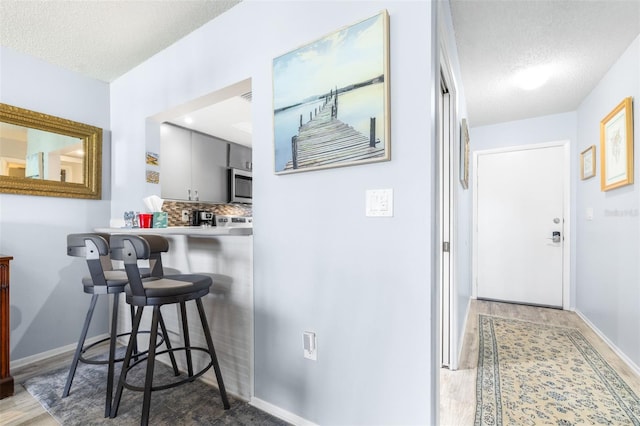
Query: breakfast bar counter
[
  {"x": 226, "y": 255},
  {"x": 182, "y": 230}
]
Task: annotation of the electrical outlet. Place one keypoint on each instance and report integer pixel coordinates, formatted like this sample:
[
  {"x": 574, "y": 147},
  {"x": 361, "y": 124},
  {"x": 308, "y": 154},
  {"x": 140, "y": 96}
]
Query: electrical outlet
[
  {"x": 589, "y": 213},
  {"x": 309, "y": 345},
  {"x": 185, "y": 216}
]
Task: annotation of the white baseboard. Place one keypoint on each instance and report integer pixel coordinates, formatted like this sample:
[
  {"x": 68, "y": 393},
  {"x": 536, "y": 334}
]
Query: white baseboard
[
  {"x": 53, "y": 352},
  {"x": 280, "y": 413},
  {"x": 461, "y": 337},
  {"x": 613, "y": 347}
]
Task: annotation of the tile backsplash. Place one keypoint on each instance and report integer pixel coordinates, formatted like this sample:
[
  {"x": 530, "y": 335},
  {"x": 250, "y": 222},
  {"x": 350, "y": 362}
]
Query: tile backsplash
[{"x": 174, "y": 208}]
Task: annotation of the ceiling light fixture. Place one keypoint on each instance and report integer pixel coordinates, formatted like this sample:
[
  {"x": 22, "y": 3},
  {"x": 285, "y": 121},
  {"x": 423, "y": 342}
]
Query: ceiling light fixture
[{"x": 533, "y": 77}]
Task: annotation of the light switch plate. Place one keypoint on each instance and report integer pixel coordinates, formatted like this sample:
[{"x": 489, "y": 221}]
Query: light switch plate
[
  {"x": 589, "y": 213},
  {"x": 379, "y": 202}
]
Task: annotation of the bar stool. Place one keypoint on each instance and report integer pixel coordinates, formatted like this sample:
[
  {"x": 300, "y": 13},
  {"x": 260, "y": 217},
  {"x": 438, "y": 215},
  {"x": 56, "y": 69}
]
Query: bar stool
[
  {"x": 103, "y": 280},
  {"x": 156, "y": 292}
]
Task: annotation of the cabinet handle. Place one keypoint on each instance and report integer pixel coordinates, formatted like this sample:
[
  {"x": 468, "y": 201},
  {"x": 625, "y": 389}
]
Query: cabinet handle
[
  {"x": 197, "y": 197},
  {"x": 189, "y": 194}
]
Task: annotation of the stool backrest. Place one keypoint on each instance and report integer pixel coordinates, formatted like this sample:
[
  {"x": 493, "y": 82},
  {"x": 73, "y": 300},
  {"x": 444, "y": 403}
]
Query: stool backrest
[
  {"x": 157, "y": 245},
  {"x": 93, "y": 247},
  {"x": 130, "y": 248}
]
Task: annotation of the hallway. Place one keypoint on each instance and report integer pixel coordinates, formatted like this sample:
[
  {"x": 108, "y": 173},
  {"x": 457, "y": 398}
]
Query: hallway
[{"x": 457, "y": 388}]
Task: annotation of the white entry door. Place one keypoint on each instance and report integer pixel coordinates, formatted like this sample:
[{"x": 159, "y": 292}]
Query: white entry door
[{"x": 519, "y": 220}]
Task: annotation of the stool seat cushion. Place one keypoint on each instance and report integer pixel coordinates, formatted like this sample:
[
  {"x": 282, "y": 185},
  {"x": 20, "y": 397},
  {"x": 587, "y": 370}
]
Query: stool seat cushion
[
  {"x": 116, "y": 275},
  {"x": 174, "y": 285},
  {"x": 112, "y": 278},
  {"x": 121, "y": 273},
  {"x": 117, "y": 278}
]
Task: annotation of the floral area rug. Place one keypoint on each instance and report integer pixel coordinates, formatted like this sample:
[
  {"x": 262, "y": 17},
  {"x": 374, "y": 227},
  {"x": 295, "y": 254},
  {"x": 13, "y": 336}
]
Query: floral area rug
[{"x": 533, "y": 374}]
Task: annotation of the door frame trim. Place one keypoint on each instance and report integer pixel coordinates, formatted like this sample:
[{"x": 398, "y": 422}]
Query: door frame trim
[
  {"x": 566, "y": 243},
  {"x": 446, "y": 75}
]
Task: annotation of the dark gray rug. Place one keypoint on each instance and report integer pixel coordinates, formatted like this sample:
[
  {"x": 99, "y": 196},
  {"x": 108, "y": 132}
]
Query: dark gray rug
[{"x": 193, "y": 403}]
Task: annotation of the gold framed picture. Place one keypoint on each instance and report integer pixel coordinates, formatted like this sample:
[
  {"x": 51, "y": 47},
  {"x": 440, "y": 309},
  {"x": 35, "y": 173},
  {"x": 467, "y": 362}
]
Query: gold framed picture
[
  {"x": 588, "y": 163},
  {"x": 464, "y": 154},
  {"x": 616, "y": 147}
]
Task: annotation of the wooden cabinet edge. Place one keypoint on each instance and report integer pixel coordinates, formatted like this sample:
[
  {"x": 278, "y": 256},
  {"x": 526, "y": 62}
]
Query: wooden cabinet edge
[{"x": 6, "y": 381}]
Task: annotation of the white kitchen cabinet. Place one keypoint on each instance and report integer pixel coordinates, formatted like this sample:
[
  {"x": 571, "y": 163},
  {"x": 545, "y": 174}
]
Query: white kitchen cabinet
[
  {"x": 193, "y": 165},
  {"x": 240, "y": 156}
]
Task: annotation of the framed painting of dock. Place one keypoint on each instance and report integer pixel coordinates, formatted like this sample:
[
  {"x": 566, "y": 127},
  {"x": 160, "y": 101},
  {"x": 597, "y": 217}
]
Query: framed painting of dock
[{"x": 331, "y": 99}]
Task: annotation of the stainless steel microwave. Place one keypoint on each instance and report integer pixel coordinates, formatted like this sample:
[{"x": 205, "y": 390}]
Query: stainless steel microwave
[{"x": 240, "y": 183}]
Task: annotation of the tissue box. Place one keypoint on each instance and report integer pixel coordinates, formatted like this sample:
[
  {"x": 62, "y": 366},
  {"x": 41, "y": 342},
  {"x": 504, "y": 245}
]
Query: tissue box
[{"x": 160, "y": 219}]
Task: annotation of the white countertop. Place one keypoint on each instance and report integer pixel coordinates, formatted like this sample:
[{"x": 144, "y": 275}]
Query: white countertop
[{"x": 209, "y": 231}]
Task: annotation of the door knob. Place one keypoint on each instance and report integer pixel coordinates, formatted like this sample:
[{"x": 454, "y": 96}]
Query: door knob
[{"x": 555, "y": 237}]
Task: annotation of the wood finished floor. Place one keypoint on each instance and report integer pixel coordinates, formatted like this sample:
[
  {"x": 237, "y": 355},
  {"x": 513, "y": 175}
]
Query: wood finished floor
[
  {"x": 457, "y": 388},
  {"x": 22, "y": 408}
]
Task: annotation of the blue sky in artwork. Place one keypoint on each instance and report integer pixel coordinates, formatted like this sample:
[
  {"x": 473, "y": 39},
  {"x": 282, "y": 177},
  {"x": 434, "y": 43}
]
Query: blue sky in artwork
[{"x": 348, "y": 56}]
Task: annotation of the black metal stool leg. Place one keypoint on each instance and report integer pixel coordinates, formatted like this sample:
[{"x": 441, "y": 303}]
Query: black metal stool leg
[
  {"x": 187, "y": 340},
  {"x": 112, "y": 355},
  {"x": 151, "y": 359},
  {"x": 125, "y": 363},
  {"x": 83, "y": 336},
  {"x": 135, "y": 340},
  {"x": 212, "y": 351},
  {"x": 167, "y": 343}
]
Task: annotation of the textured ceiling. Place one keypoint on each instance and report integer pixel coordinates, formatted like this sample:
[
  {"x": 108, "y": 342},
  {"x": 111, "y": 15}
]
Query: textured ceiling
[
  {"x": 98, "y": 38},
  {"x": 579, "y": 39}
]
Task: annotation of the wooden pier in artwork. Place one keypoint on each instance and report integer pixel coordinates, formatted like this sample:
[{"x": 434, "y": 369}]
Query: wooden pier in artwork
[{"x": 324, "y": 140}]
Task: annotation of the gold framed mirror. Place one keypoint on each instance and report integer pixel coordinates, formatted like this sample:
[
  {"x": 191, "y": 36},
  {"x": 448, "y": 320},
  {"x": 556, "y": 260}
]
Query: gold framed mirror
[{"x": 49, "y": 156}]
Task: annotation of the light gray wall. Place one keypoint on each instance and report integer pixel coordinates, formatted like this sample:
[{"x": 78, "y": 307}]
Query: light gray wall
[
  {"x": 364, "y": 285},
  {"x": 608, "y": 252},
  {"x": 531, "y": 131},
  {"x": 47, "y": 302}
]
